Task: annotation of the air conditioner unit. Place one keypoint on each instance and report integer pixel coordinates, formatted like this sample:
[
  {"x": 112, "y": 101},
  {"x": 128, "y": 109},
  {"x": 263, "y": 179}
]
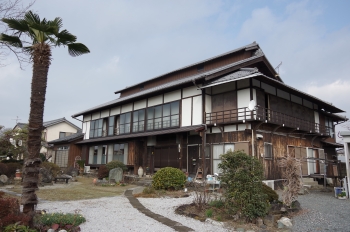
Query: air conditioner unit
[
  {"x": 259, "y": 136},
  {"x": 270, "y": 183}
]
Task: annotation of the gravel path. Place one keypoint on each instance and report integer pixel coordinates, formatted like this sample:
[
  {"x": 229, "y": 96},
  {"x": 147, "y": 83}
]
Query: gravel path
[{"x": 325, "y": 213}]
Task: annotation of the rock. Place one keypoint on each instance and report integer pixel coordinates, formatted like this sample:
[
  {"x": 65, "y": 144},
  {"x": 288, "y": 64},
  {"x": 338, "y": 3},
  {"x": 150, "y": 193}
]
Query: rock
[
  {"x": 50, "y": 230},
  {"x": 115, "y": 174},
  {"x": 211, "y": 221},
  {"x": 3, "y": 179},
  {"x": 66, "y": 176},
  {"x": 285, "y": 222}
]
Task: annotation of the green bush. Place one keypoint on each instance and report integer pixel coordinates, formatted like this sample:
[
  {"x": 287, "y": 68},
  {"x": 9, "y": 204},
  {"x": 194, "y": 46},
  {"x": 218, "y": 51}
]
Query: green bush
[
  {"x": 149, "y": 190},
  {"x": 116, "y": 164},
  {"x": 169, "y": 179},
  {"x": 244, "y": 194},
  {"x": 271, "y": 194},
  {"x": 53, "y": 168},
  {"x": 217, "y": 203},
  {"x": 60, "y": 218}
]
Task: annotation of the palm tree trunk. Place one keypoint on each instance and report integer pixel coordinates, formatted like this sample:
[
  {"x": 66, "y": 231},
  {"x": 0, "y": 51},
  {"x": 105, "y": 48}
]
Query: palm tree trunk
[{"x": 41, "y": 55}]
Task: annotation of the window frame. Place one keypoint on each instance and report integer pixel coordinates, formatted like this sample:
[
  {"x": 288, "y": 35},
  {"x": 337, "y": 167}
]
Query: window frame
[
  {"x": 266, "y": 146},
  {"x": 152, "y": 119}
]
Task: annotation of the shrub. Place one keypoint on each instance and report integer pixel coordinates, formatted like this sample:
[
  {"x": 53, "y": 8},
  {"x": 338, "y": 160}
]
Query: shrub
[
  {"x": 217, "y": 203},
  {"x": 11, "y": 169},
  {"x": 209, "y": 213},
  {"x": 169, "y": 178},
  {"x": 3, "y": 169},
  {"x": 51, "y": 167},
  {"x": 116, "y": 164},
  {"x": 244, "y": 194},
  {"x": 102, "y": 172},
  {"x": 60, "y": 218},
  {"x": 271, "y": 194},
  {"x": 149, "y": 190}
]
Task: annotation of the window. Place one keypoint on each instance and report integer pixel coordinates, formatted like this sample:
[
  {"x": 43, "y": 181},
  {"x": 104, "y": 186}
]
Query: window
[
  {"x": 62, "y": 135},
  {"x": 163, "y": 116},
  {"x": 61, "y": 158},
  {"x": 96, "y": 128},
  {"x": 218, "y": 150},
  {"x": 268, "y": 152},
  {"x": 98, "y": 154},
  {"x": 111, "y": 122},
  {"x": 124, "y": 126},
  {"x": 138, "y": 122}
]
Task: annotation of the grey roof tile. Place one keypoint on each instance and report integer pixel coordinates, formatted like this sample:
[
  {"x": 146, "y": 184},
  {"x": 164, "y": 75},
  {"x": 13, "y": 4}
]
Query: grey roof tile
[{"x": 67, "y": 138}]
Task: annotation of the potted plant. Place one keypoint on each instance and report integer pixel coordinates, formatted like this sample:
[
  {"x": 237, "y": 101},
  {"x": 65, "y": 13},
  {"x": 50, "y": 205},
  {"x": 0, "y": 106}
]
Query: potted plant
[
  {"x": 81, "y": 164},
  {"x": 342, "y": 195}
]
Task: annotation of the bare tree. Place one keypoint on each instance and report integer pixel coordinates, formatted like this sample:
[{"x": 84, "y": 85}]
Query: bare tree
[{"x": 12, "y": 9}]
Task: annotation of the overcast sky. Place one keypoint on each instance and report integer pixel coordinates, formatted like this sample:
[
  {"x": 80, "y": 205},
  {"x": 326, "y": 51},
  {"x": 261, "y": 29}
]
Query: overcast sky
[{"x": 132, "y": 41}]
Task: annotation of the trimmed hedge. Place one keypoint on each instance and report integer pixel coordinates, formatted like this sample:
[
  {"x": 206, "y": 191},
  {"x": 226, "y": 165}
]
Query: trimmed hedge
[{"x": 169, "y": 179}]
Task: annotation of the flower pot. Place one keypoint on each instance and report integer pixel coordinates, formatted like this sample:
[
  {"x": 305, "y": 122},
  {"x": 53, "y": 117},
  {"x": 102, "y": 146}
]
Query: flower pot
[
  {"x": 140, "y": 171},
  {"x": 18, "y": 174}
]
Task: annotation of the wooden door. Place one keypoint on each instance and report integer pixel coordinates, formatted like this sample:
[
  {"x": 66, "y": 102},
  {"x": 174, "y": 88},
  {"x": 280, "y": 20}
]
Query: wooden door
[{"x": 193, "y": 161}]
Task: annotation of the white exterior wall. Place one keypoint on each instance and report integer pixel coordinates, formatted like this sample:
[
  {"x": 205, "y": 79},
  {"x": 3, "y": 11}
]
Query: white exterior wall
[
  {"x": 87, "y": 117},
  {"x": 91, "y": 154},
  {"x": 243, "y": 99},
  {"x": 230, "y": 128},
  {"x": 126, "y": 108},
  {"x": 172, "y": 96},
  {"x": 104, "y": 113},
  {"x": 115, "y": 111},
  {"x": 208, "y": 105},
  {"x": 157, "y": 100},
  {"x": 95, "y": 115},
  {"x": 140, "y": 104},
  {"x": 86, "y": 130},
  {"x": 317, "y": 120},
  {"x": 190, "y": 91},
  {"x": 197, "y": 113},
  {"x": 186, "y": 112},
  {"x": 53, "y": 132}
]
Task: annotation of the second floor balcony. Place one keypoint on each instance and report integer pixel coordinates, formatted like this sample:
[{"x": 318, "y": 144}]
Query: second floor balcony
[{"x": 261, "y": 114}]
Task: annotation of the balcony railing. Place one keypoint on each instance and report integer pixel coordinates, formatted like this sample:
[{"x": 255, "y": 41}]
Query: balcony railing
[{"x": 268, "y": 115}]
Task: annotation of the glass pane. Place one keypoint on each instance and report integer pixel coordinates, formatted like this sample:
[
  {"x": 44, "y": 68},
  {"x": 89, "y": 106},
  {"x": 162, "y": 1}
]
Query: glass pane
[
  {"x": 175, "y": 120},
  {"x": 175, "y": 108},
  {"x": 111, "y": 121},
  {"x": 166, "y": 110},
  {"x": 150, "y": 113},
  {"x": 127, "y": 117},
  {"x": 215, "y": 166},
  {"x": 157, "y": 123},
  {"x": 135, "y": 127},
  {"x": 121, "y": 129},
  {"x": 121, "y": 146},
  {"x": 127, "y": 128},
  {"x": 92, "y": 125},
  {"x": 217, "y": 151},
  {"x": 116, "y": 147},
  {"x": 122, "y": 119},
  {"x": 99, "y": 132},
  {"x": 166, "y": 122},
  {"x": 110, "y": 130},
  {"x": 158, "y": 111},
  {"x": 100, "y": 122},
  {"x": 141, "y": 125},
  {"x": 150, "y": 124},
  {"x": 141, "y": 115},
  {"x": 229, "y": 147},
  {"x": 136, "y": 116}
]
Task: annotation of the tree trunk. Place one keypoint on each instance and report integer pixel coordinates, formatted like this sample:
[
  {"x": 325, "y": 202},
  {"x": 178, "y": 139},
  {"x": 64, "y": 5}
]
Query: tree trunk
[{"x": 41, "y": 56}]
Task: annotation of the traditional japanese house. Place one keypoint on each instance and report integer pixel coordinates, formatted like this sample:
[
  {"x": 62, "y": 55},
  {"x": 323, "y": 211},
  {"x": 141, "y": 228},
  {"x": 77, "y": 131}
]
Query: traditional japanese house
[{"x": 232, "y": 101}]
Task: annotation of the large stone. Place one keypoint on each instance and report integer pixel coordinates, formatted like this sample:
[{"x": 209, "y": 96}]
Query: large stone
[
  {"x": 116, "y": 174},
  {"x": 3, "y": 179}
]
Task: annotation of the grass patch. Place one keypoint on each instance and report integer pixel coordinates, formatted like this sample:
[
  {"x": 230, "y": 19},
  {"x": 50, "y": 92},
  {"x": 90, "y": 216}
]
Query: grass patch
[{"x": 80, "y": 190}]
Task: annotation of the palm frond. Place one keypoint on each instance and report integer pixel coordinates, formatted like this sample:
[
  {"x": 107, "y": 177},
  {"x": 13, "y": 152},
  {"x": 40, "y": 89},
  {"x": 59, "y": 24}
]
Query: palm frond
[
  {"x": 57, "y": 23},
  {"x": 11, "y": 40},
  {"x": 31, "y": 17},
  {"x": 64, "y": 38},
  {"x": 77, "y": 49},
  {"x": 15, "y": 24}
]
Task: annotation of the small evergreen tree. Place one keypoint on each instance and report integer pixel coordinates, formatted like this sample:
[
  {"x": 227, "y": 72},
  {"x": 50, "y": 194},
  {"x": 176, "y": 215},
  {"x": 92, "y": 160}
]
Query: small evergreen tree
[{"x": 243, "y": 176}]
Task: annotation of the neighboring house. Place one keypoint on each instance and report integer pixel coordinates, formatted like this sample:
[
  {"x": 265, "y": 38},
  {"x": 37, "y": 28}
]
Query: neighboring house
[
  {"x": 232, "y": 101},
  {"x": 52, "y": 130},
  {"x": 66, "y": 152}
]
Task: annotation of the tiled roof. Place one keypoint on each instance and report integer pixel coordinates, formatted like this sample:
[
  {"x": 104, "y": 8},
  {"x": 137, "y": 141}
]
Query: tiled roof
[
  {"x": 68, "y": 138},
  {"x": 169, "y": 85},
  {"x": 143, "y": 134}
]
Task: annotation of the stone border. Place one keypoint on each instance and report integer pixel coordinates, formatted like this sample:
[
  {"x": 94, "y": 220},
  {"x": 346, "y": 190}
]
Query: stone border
[{"x": 165, "y": 221}]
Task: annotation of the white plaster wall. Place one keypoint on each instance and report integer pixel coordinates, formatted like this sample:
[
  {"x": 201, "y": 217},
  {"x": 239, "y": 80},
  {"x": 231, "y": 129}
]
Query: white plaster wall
[
  {"x": 230, "y": 128},
  {"x": 186, "y": 112},
  {"x": 126, "y": 152},
  {"x": 140, "y": 104},
  {"x": 104, "y": 113},
  {"x": 95, "y": 115},
  {"x": 157, "y": 100},
  {"x": 197, "y": 110},
  {"x": 115, "y": 111},
  {"x": 317, "y": 119},
  {"x": 243, "y": 99},
  {"x": 126, "y": 108},
  {"x": 87, "y": 117},
  {"x": 172, "y": 96},
  {"x": 244, "y": 126},
  {"x": 53, "y": 132},
  {"x": 215, "y": 130},
  {"x": 91, "y": 154},
  {"x": 191, "y": 91},
  {"x": 208, "y": 106}
]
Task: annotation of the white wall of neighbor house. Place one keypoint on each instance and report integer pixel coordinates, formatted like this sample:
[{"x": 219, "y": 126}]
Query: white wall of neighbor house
[
  {"x": 157, "y": 100},
  {"x": 172, "y": 96},
  {"x": 126, "y": 108},
  {"x": 53, "y": 132},
  {"x": 197, "y": 113},
  {"x": 86, "y": 117},
  {"x": 140, "y": 104},
  {"x": 186, "y": 112}
]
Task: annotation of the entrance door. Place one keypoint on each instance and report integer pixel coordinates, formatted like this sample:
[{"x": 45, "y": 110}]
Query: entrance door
[
  {"x": 167, "y": 156},
  {"x": 193, "y": 161}
]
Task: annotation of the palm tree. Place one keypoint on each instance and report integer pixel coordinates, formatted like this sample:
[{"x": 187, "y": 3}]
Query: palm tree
[{"x": 42, "y": 35}]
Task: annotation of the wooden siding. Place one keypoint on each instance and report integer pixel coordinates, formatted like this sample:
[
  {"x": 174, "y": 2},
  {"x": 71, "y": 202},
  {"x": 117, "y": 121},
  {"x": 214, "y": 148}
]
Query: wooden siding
[{"x": 209, "y": 65}]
